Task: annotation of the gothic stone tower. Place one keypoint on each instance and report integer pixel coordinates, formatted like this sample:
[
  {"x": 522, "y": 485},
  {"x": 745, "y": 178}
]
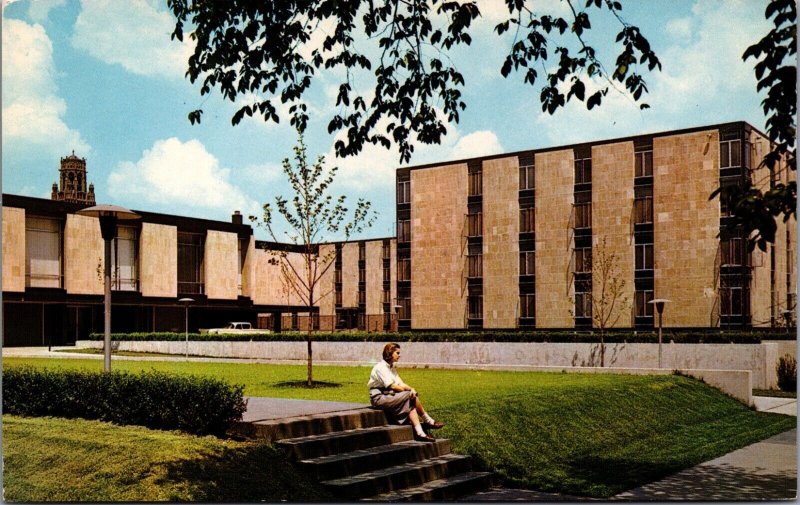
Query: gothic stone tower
[{"x": 72, "y": 183}]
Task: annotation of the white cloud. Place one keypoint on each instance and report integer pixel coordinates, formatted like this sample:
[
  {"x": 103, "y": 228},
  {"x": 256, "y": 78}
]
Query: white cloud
[
  {"x": 39, "y": 10},
  {"x": 480, "y": 143},
  {"x": 679, "y": 28},
  {"x": 179, "y": 174},
  {"x": 32, "y": 112},
  {"x": 134, "y": 34}
]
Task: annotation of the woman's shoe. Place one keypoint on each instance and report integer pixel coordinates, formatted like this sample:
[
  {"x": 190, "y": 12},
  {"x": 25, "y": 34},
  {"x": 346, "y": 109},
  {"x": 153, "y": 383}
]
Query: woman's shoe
[
  {"x": 426, "y": 438},
  {"x": 434, "y": 426}
]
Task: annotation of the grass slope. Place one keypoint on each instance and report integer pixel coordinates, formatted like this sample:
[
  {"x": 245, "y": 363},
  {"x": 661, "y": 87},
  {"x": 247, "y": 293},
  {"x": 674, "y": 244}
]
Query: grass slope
[
  {"x": 581, "y": 434},
  {"x": 62, "y": 460}
]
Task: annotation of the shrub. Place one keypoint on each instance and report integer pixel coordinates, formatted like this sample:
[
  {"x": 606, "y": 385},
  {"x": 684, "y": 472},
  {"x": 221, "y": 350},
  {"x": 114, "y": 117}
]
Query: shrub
[
  {"x": 709, "y": 336},
  {"x": 787, "y": 373},
  {"x": 194, "y": 404}
]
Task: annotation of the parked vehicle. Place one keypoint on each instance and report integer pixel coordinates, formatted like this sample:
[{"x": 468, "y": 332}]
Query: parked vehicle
[{"x": 237, "y": 327}]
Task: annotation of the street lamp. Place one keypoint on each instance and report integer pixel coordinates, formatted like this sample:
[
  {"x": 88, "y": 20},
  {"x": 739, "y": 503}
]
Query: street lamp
[
  {"x": 186, "y": 302},
  {"x": 108, "y": 215},
  {"x": 659, "y": 303}
]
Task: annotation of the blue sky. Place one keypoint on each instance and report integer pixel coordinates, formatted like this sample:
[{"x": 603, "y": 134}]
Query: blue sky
[{"x": 102, "y": 78}]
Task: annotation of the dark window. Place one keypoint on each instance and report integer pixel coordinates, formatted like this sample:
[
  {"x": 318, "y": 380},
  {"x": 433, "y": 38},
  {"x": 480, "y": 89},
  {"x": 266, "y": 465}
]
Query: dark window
[
  {"x": 733, "y": 252},
  {"x": 43, "y": 252},
  {"x": 387, "y": 275},
  {"x": 387, "y": 298},
  {"x": 362, "y": 251},
  {"x": 404, "y": 192},
  {"x": 526, "y": 177},
  {"x": 583, "y": 260},
  {"x": 190, "y": 263},
  {"x": 583, "y": 215},
  {"x": 527, "y": 220},
  {"x": 475, "y": 183},
  {"x": 404, "y": 230},
  {"x": 362, "y": 275},
  {"x": 387, "y": 250},
  {"x": 583, "y": 304},
  {"x": 644, "y": 164},
  {"x": 404, "y": 310},
  {"x": 642, "y": 307},
  {"x": 730, "y": 153},
  {"x": 643, "y": 205},
  {"x": 337, "y": 276},
  {"x": 644, "y": 256},
  {"x": 474, "y": 225},
  {"x": 583, "y": 171},
  {"x": 475, "y": 307},
  {"x": 527, "y": 306},
  {"x": 527, "y": 263},
  {"x": 475, "y": 260},
  {"x": 404, "y": 269},
  {"x": 124, "y": 275},
  {"x": 338, "y": 298},
  {"x": 362, "y": 297}
]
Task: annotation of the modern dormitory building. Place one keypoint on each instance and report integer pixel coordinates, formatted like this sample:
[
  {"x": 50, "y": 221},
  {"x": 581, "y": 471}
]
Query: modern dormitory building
[{"x": 499, "y": 242}]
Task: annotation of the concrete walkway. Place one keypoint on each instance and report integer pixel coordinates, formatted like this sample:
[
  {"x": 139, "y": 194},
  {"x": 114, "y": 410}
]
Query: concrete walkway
[{"x": 766, "y": 470}]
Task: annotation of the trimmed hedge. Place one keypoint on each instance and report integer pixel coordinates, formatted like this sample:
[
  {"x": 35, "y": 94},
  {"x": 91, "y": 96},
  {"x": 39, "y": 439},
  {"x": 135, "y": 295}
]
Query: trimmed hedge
[
  {"x": 678, "y": 336},
  {"x": 787, "y": 373},
  {"x": 194, "y": 404}
]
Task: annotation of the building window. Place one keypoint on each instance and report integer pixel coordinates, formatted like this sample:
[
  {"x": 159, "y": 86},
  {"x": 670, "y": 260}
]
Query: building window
[
  {"x": 732, "y": 301},
  {"x": 475, "y": 261},
  {"x": 387, "y": 274},
  {"x": 386, "y": 300},
  {"x": 475, "y": 307},
  {"x": 404, "y": 269},
  {"x": 526, "y": 177},
  {"x": 730, "y": 153},
  {"x": 362, "y": 297},
  {"x": 190, "y": 263},
  {"x": 338, "y": 298},
  {"x": 733, "y": 252},
  {"x": 641, "y": 303},
  {"x": 123, "y": 260},
  {"x": 643, "y": 205},
  {"x": 527, "y": 220},
  {"x": 474, "y": 224},
  {"x": 362, "y": 251},
  {"x": 475, "y": 183},
  {"x": 583, "y": 215},
  {"x": 583, "y": 171},
  {"x": 527, "y": 306},
  {"x": 583, "y": 304},
  {"x": 386, "y": 251},
  {"x": 527, "y": 263},
  {"x": 644, "y": 164},
  {"x": 337, "y": 276},
  {"x": 404, "y": 308},
  {"x": 583, "y": 260},
  {"x": 362, "y": 275},
  {"x": 404, "y": 230},
  {"x": 644, "y": 256},
  {"x": 42, "y": 253},
  {"x": 404, "y": 192}
]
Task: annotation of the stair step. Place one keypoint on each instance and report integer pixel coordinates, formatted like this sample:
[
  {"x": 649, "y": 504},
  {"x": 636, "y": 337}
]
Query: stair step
[
  {"x": 314, "y": 446},
  {"x": 372, "y": 458},
  {"x": 399, "y": 476},
  {"x": 316, "y": 424},
  {"x": 449, "y": 488}
]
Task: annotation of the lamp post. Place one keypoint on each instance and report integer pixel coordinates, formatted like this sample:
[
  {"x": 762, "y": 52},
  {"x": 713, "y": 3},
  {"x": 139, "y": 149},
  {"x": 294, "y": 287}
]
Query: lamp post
[
  {"x": 659, "y": 303},
  {"x": 186, "y": 302},
  {"x": 108, "y": 215}
]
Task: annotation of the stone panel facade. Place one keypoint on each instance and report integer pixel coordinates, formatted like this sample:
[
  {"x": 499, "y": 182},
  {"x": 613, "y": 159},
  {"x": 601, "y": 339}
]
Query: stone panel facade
[
  {"x": 685, "y": 173},
  {"x": 500, "y": 242},
  {"x": 83, "y": 256},
  {"x": 274, "y": 287},
  {"x": 221, "y": 265},
  {"x": 555, "y": 290},
  {"x": 13, "y": 249},
  {"x": 248, "y": 279},
  {"x": 438, "y": 242},
  {"x": 375, "y": 279},
  {"x": 612, "y": 211},
  {"x": 350, "y": 275},
  {"x": 158, "y": 260},
  {"x": 325, "y": 294}
]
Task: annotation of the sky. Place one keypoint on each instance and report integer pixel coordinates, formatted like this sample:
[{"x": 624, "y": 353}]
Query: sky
[{"x": 103, "y": 79}]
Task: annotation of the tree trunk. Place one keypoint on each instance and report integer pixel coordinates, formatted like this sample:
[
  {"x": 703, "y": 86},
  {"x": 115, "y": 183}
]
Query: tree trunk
[
  {"x": 310, "y": 378},
  {"x": 602, "y": 350}
]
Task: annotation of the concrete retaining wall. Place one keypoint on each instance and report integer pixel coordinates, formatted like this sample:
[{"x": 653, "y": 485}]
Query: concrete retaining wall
[{"x": 759, "y": 359}]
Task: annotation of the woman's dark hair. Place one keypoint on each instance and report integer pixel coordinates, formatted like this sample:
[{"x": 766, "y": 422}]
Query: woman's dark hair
[{"x": 388, "y": 349}]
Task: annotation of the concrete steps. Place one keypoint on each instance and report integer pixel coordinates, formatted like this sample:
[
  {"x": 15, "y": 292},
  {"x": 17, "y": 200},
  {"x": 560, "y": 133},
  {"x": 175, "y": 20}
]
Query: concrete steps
[{"x": 357, "y": 455}]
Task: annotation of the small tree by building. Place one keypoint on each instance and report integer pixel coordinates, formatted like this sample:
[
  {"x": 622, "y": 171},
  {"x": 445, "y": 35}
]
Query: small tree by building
[
  {"x": 609, "y": 301},
  {"x": 314, "y": 216}
]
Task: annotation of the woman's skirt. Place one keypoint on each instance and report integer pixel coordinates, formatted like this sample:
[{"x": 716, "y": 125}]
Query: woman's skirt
[{"x": 396, "y": 406}]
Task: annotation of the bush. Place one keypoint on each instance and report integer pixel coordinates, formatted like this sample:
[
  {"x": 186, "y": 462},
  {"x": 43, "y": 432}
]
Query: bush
[
  {"x": 153, "y": 399},
  {"x": 787, "y": 373},
  {"x": 708, "y": 336}
]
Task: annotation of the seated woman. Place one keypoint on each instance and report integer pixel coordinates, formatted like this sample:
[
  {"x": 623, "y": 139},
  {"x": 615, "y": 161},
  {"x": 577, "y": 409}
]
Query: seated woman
[{"x": 398, "y": 400}]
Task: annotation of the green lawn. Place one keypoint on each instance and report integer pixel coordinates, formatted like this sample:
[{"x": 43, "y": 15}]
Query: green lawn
[{"x": 582, "y": 434}]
